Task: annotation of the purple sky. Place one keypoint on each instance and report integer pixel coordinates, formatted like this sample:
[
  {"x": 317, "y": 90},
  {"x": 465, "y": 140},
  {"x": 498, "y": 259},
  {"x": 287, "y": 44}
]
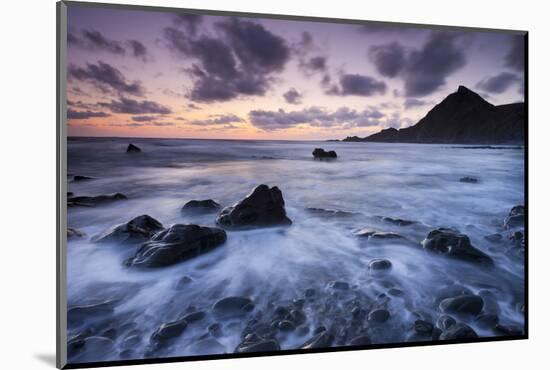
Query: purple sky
[{"x": 160, "y": 74}]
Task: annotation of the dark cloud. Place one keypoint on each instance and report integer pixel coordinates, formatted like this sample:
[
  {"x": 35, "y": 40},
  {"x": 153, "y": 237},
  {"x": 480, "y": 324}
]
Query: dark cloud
[
  {"x": 428, "y": 68},
  {"x": 313, "y": 65},
  {"x": 139, "y": 50},
  {"x": 94, "y": 40},
  {"x": 389, "y": 59},
  {"x": 190, "y": 22},
  {"x": 240, "y": 63},
  {"x": 499, "y": 83},
  {"x": 314, "y": 117},
  {"x": 105, "y": 77},
  {"x": 413, "y": 102},
  {"x": 130, "y": 106},
  {"x": 215, "y": 120},
  {"x": 292, "y": 96},
  {"x": 355, "y": 84},
  {"x": 193, "y": 106},
  {"x": 73, "y": 114},
  {"x": 515, "y": 58},
  {"x": 143, "y": 118}
]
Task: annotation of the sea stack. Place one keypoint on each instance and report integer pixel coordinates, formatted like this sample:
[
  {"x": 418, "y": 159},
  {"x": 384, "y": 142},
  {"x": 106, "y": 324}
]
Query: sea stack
[{"x": 133, "y": 149}]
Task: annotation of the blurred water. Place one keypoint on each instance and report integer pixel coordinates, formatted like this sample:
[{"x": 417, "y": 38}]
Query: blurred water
[{"x": 275, "y": 265}]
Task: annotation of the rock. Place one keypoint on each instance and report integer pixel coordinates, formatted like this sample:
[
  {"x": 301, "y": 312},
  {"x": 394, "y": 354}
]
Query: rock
[
  {"x": 168, "y": 331},
  {"x": 468, "y": 179},
  {"x": 339, "y": 285},
  {"x": 372, "y": 235},
  {"x": 444, "y": 322},
  {"x": 508, "y": 330},
  {"x": 379, "y": 315},
  {"x": 254, "y": 343},
  {"x": 91, "y": 345},
  {"x": 70, "y": 194},
  {"x": 493, "y": 238},
  {"x": 263, "y": 207},
  {"x": 396, "y": 292},
  {"x": 397, "y": 221},
  {"x": 323, "y": 339},
  {"x": 78, "y": 313},
  {"x": 487, "y": 320},
  {"x": 380, "y": 264},
  {"x": 361, "y": 340},
  {"x": 319, "y": 153},
  {"x": 324, "y": 212},
  {"x": 451, "y": 243},
  {"x": 215, "y": 330},
  {"x": 458, "y": 331},
  {"x": 177, "y": 243},
  {"x": 183, "y": 282},
  {"x": 137, "y": 230},
  {"x": 207, "y": 346},
  {"x": 517, "y": 239},
  {"x": 297, "y": 317},
  {"x": 201, "y": 206},
  {"x": 516, "y": 217},
  {"x": 232, "y": 307},
  {"x": 194, "y": 316},
  {"x": 133, "y": 149},
  {"x": 73, "y": 233},
  {"x": 77, "y": 178},
  {"x": 287, "y": 325},
  {"x": 423, "y": 327},
  {"x": 464, "y": 304},
  {"x": 91, "y": 201},
  {"x": 309, "y": 293}
]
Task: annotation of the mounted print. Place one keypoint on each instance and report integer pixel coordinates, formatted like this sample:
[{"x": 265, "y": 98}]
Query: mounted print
[{"x": 234, "y": 184}]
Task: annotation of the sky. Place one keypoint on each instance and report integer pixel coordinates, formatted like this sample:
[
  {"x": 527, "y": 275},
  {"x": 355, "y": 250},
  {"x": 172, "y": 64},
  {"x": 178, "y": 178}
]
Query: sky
[{"x": 136, "y": 73}]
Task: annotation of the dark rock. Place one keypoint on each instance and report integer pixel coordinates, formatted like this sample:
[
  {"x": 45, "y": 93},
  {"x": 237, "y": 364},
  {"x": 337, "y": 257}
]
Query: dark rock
[
  {"x": 206, "y": 346},
  {"x": 458, "y": 331},
  {"x": 137, "y": 230},
  {"x": 297, "y": 317},
  {"x": 380, "y": 264},
  {"x": 263, "y": 207},
  {"x": 176, "y": 244},
  {"x": 453, "y": 244},
  {"x": 131, "y": 341},
  {"x": 396, "y": 292},
  {"x": 319, "y": 153},
  {"x": 215, "y": 330},
  {"x": 92, "y": 345},
  {"x": 254, "y": 343},
  {"x": 183, "y": 282},
  {"x": 339, "y": 285},
  {"x": 201, "y": 206},
  {"x": 323, "y": 339},
  {"x": 73, "y": 233},
  {"x": 508, "y": 330},
  {"x": 168, "y": 331},
  {"x": 324, "y": 212},
  {"x": 78, "y": 313},
  {"x": 423, "y": 327},
  {"x": 487, "y": 320},
  {"x": 464, "y": 304},
  {"x": 91, "y": 201},
  {"x": 494, "y": 238},
  {"x": 194, "y": 316},
  {"x": 398, "y": 221},
  {"x": 378, "y": 235},
  {"x": 133, "y": 149},
  {"x": 436, "y": 333},
  {"x": 128, "y": 354},
  {"x": 470, "y": 180},
  {"x": 77, "y": 178},
  {"x": 319, "y": 329},
  {"x": 516, "y": 217},
  {"x": 70, "y": 194},
  {"x": 518, "y": 239},
  {"x": 310, "y": 293},
  {"x": 379, "y": 315},
  {"x": 444, "y": 322},
  {"x": 361, "y": 340},
  {"x": 232, "y": 307},
  {"x": 287, "y": 325},
  {"x": 281, "y": 312}
]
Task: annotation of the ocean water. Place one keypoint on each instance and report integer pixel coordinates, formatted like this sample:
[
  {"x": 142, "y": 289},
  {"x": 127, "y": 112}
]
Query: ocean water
[{"x": 274, "y": 266}]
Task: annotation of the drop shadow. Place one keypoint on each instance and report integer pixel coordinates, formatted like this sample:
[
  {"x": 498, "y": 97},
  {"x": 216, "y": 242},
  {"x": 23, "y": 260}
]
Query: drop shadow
[{"x": 46, "y": 358}]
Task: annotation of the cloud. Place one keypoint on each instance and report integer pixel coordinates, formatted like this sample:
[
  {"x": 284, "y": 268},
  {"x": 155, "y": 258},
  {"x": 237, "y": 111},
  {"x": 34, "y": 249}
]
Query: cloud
[
  {"x": 515, "y": 58},
  {"x": 314, "y": 117},
  {"x": 313, "y": 65},
  {"x": 355, "y": 84},
  {"x": 292, "y": 96},
  {"x": 190, "y": 22},
  {"x": 427, "y": 68},
  {"x": 143, "y": 118},
  {"x": 139, "y": 50},
  {"x": 130, "y": 106},
  {"x": 94, "y": 40},
  {"x": 413, "y": 103},
  {"x": 193, "y": 106},
  {"x": 240, "y": 63},
  {"x": 105, "y": 77},
  {"x": 499, "y": 83},
  {"x": 74, "y": 114},
  {"x": 389, "y": 59},
  {"x": 214, "y": 120}
]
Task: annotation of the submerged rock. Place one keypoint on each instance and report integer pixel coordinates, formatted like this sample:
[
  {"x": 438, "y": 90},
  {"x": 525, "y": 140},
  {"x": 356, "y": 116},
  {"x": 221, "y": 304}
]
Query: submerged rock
[
  {"x": 470, "y": 180},
  {"x": 493, "y": 238},
  {"x": 323, "y": 339},
  {"x": 423, "y": 327},
  {"x": 487, "y": 320},
  {"x": 137, "y": 230},
  {"x": 373, "y": 235},
  {"x": 183, "y": 282},
  {"x": 207, "y": 346},
  {"x": 177, "y": 243},
  {"x": 255, "y": 343},
  {"x": 464, "y": 304},
  {"x": 77, "y": 178},
  {"x": 77, "y": 313},
  {"x": 339, "y": 285},
  {"x": 458, "y": 331},
  {"x": 380, "y": 264},
  {"x": 263, "y": 207},
  {"x": 379, "y": 315},
  {"x": 361, "y": 340},
  {"x": 516, "y": 217},
  {"x": 91, "y": 201},
  {"x": 398, "y": 221},
  {"x": 133, "y": 149},
  {"x": 202, "y": 206},
  {"x": 73, "y": 233},
  {"x": 444, "y": 322},
  {"x": 324, "y": 212},
  {"x": 232, "y": 307},
  {"x": 168, "y": 331},
  {"x": 451, "y": 243},
  {"x": 320, "y": 153}
]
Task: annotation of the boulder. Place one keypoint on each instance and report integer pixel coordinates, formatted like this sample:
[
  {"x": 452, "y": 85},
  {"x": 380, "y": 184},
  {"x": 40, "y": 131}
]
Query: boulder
[
  {"x": 255, "y": 343},
  {"x": 177, "y": 243},
  {"x": 361, "y": 340},
  {"x": 323, "y": 339},
  {"x": 77, "y": 178},
  {"x": 133, "y": 149},
  {"x": 91, "y": 201},
  {"x": 379, "y": 264},
  {"x": 397, "y": 221},
  {"x": 458, "y": 331},
  {"x": 206, "y": 346},
  {"x": 232, "y": 307},
  {"x": 464, "y": 304},
  {"x": 167, "y": 332},
  {"x": 487, "y": 320},
  {"x": 379, "y": 315},
  {"x": 469, "y": 180},
  {"x": 73, "y": 233},
  {"x": 516, "y": 217},
  {"x": 263, "y": 207},
  {"x": 423, "y": 327},
  {"x": 451, "y": 243},
  {"x": 494, "y": 238},
  {"x": 137, "y": 230},
  {"x": 444, "y": 322},
  {"x": 339, "y": 285},
  {"x": 201, "y": 206},
  {"x": 183, "y": 282},
  {"x": 320, "y": 153}
]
